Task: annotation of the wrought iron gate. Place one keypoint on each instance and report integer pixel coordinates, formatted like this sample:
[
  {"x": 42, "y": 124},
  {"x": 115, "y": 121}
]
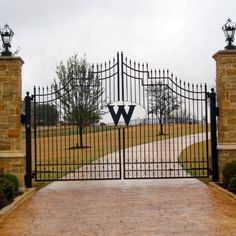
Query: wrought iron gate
[{"x": 151, "y": 125}]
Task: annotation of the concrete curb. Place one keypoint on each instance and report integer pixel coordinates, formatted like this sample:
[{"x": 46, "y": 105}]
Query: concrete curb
[
  {"x": 222, "y": 190},
  {"x": 17, "y": 201}
]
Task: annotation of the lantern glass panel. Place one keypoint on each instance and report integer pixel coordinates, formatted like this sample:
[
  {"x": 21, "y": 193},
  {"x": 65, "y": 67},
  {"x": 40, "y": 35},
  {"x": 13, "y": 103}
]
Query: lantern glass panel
[
  {"x": 230, "y": 33},
  {"x": 6, "y": 39}
]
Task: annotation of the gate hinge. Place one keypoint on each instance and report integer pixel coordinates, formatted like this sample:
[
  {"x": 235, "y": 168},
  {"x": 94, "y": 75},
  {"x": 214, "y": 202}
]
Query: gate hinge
[
  {"x": 210, "y": 171},
  {"x": 217, "y": 111},
  {"x": 33, "y": 174},
  {"x": 23, "y": 118}
]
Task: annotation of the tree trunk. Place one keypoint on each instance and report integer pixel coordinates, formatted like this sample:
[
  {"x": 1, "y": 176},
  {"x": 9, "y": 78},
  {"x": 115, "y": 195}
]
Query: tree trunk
[
  {"x": 161, "y": 129},
  {"x": 81, "y": 136},
  {"x": 161, "y": 125}
]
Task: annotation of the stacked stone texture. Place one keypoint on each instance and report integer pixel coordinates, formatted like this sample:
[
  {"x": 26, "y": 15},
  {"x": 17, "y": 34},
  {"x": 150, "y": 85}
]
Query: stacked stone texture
[
  {"x": 11, "y": 154},
  {"x": 226, "y": 99}
]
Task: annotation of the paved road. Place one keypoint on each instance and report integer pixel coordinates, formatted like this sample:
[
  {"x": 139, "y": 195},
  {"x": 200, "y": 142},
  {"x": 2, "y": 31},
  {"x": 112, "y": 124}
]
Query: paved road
[
  {"x": 124, "y": 207},
  {"x": 142, "y": 207},
  {"x": 149, "y": 160}
]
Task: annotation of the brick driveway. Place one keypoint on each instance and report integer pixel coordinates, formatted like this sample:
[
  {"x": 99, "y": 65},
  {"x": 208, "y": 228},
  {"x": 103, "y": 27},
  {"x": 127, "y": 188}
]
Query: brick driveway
[{"x": 140, "y": 207}]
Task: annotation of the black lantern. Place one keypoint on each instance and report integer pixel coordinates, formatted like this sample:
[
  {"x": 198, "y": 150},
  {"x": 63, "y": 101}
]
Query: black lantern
[
  {"x": 229, "y": 31},
  {"x": 6, "y": 35}
]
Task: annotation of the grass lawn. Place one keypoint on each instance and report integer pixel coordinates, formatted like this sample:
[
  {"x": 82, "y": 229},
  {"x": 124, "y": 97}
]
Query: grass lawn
[
  {"x": 194, "y": 159},
  {"x": 57, "y": 155}
]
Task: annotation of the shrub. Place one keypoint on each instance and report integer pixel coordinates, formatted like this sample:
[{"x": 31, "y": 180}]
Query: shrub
[
  {"x": 232, "y": 183},
  {"x": 229, "y": 171},
  {"x": 14, "y": 180},
  {"x": 3, "y": 199},
  {"x": 7, "y": 187}
]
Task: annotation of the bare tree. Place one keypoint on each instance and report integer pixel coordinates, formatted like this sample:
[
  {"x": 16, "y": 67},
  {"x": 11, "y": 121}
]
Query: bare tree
[
  {"x": 162, "y": 102},
  {"x": 79, "y": 91}
]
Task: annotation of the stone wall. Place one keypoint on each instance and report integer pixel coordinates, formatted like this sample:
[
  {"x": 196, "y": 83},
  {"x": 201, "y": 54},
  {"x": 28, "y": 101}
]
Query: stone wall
[
  {"x": 226, "y": 99},
  {"x": 12, "y": 157}
]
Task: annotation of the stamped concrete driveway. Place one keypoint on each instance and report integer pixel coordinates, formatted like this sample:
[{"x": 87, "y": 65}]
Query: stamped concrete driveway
[{"x": 141, "y": 207}]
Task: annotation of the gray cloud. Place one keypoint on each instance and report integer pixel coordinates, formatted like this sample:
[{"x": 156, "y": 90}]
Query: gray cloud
[{"x": 180, "y": 35}]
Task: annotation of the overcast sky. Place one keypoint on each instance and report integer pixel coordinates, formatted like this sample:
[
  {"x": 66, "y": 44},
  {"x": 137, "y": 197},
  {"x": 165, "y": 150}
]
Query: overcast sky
[{"x": 181, "y": 35}]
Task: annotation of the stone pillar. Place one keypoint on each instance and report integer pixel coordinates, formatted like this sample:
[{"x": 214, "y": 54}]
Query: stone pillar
[
  {"x": 12, "y": 154},
  {"x": 226, "y": 99}
]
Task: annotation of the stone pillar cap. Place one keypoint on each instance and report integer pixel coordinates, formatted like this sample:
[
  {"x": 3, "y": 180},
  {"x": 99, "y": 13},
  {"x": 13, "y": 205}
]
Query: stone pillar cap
[
  {"x": 5, "y": 58},
  {"x": 228, "y": 52}
]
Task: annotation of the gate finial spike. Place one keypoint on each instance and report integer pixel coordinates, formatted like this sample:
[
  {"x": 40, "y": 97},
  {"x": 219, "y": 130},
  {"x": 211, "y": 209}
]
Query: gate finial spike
[{"x": 142, "y": 66}]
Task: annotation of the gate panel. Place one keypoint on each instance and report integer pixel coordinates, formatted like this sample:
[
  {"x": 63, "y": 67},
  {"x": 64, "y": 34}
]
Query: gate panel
[
  {"x": 152, "y": 125},
  {"x": 171, "y": 139},
  {"x": 62, "y": 149}
]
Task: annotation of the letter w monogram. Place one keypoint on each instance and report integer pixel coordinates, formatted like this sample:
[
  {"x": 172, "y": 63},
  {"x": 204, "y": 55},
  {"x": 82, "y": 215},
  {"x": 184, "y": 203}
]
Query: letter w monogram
[{"x": 121, "y": 111}]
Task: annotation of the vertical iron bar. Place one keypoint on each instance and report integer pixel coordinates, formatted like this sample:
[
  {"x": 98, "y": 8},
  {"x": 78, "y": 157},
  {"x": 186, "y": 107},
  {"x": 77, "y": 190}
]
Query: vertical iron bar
[
  {"x": 28, "y": 179},
  {"x": 194, "y": 122},
  {"x": 52, "y": 131},
  {"x": 202, "y": 118},
  {"x": 181, "y": 125},
  {"x": 119, "y": 146},
  {"x": 214, "y": 156},
  {"x": 118, "y": 76},
  {"x": 190, "y": 121},
  {"x": 198, "y": 140},
  {"x": 45, "y": 163},
  {"x": 122, "y": 75},
  {"x": 123, "y": 138},
  {"x": 40, "y": 134},
  {"x": 169, "y": 124},
  {"x": 174, "y": 126},
  {"x": 185, "y": 128},
  {"x": 206, "y": 123},
  {"x": 35, "y": 136},
  {"x": 177, "y": 125}
]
